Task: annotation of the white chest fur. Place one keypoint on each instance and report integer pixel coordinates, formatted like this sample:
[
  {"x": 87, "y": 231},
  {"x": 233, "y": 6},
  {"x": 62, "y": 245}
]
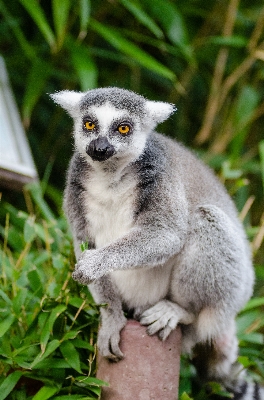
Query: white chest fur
[{"x": 109, "y": 207}]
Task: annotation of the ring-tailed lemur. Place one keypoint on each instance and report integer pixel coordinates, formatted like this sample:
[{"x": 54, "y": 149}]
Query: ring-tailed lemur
[{"x": 163, "y": 233}]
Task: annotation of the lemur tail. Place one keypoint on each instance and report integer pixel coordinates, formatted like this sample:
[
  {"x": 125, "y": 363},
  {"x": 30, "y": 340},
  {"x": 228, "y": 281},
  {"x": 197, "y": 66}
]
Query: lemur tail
[{"x": 249, "y": 391}]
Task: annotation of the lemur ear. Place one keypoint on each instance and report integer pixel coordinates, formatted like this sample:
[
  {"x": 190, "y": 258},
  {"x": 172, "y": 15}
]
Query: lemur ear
[
  {"x": 160, "y": 110},
  {"x": 69, "y": 100}
]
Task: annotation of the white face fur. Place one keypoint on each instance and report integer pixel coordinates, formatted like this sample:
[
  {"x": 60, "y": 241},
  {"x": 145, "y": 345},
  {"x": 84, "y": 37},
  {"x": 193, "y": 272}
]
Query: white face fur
[{"x": 107, "y": 121}]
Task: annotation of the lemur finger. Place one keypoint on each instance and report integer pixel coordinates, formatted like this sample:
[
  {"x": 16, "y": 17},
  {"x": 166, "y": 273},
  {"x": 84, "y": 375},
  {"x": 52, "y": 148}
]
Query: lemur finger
[
  {"x": 148, "y": 318},
  {"x": 158, "y": 308},
  {"x": 164, "y": 333},
  {"x": 157, "y": 325}
]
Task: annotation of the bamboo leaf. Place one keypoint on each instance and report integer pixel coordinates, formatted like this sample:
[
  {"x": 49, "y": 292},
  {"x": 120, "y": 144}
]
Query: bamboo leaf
[
  {"x": 261, "y": 153},
  {"x": 143, "y": 18},
  {"x": 131, "y": 50},
  {"x": 46, "y": 392},
  {"x": 6, "y": 324},
  {"x": 48, "y": 327},
  {"x": 71, "y": 355},
  {"x": 36, "y": 193},
  {"x": 37, "y": 14},
  {"x": 5, "y": 297},
  {"x": 253, "y": 303},
  {"x": 52, "y": 346},
  {"x": 170, "y": 18},
  {"x": 232, "y": 41},
  {"x": 9, "y": 383},
  {"x": 29, "y": 229},
  {"x": 84, "y": 66},
  {"x": 85, "y": 10},
  {"x": 35, "y": 84},
  {"x": 61, "y": 11},
  {"x": 54, "y": 315},
  {"x": 19, "y": 300},
  {"x": 35, "y": 282},
  {"x": 89, "y": 380}
]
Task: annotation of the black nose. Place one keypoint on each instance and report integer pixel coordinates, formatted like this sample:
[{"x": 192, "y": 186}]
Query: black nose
[{"x": 100, "y": 149}]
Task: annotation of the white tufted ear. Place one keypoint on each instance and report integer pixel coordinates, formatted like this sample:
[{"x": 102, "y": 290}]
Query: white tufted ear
[
  {"x": 69, "y": 100},
  {"x": 159, "y": 110}
]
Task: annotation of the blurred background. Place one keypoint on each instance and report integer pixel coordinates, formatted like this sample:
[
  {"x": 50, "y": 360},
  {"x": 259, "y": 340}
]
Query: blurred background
[{"x": 205, "y": 57}]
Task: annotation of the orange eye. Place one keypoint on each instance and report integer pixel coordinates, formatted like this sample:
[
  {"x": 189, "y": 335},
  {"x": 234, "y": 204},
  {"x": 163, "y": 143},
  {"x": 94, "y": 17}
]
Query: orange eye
[
  {"x": 123, "y": 129},
  {"x": 89, "y": 125}
]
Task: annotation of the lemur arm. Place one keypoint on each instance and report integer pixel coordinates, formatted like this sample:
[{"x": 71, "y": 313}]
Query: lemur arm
[{"x": 146, "y": 245}]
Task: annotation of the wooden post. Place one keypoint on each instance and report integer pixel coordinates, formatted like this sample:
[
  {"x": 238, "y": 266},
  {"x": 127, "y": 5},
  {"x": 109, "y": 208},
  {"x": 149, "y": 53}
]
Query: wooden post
[{"x": 150, "y": 369}]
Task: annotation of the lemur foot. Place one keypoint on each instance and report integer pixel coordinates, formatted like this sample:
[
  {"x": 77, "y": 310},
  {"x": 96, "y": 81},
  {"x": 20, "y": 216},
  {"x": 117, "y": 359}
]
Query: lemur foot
[
  {"x": 164, "y": 317},
  {"x": 109, "y": 338}
]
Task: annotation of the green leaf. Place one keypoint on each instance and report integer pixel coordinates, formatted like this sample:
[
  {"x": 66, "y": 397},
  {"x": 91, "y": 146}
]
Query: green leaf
[
  {"x": 27, "y": 48},
  {"x": 172, "y": 22},
  {"x": 71, "y": 355},
  {"x": 254, "y": 337},
  {"x": 73, "y": 397},
  {"x": 36, "y": 192},
  {"x": 34, "y": 85},
  {"x": 245, "y": 107},
  {"x": 46, "y": 392},
  {"x": 85, "y": 11},
  {"x": 29, "y": 229},
  {"x": 6, "y": 324},
  {"x": 57, "y": 363},
  {"x": 253, "y": 303},
  {"x": 231, "y": 41},
  {"x": 185, "y": 396},
  {"x": 82, "y": 344},
  {"x": 244, "y": 361},
  {"x": 54, "y": 315},
  {"x": 51, "y": 347},
  {"x": 89, "y": 380},
  {"x": 61, "y": 11},
  {"x": 84, "y": 246},
  {"x": 48, "y": 327},
  {"x": 35, "y": 282},
  {"x": 71, "y": 334},
  {"x": 37, "y": 14},
  {"x": 9, "y": 383},
  {"x": 84, "y": 66},
  {"x": 19, "y": 300},
  {"x": 261, "y": 154},
  {"x": 143, "y": 17},
  {"x": 5, "y": 297},
  {"x": 131, "y": 50}
]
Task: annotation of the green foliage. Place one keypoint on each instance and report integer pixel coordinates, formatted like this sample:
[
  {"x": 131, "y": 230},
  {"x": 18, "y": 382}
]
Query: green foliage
[
  {"x": 207, "y": 58},
  {"x": 47, "y": 328}
]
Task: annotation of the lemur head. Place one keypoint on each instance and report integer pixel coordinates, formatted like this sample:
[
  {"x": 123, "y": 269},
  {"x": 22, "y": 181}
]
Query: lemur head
[{"x": 111, "y": 123}]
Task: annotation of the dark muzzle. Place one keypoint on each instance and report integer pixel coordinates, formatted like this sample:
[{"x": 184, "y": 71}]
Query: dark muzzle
[{"x": 100, "y": 149}]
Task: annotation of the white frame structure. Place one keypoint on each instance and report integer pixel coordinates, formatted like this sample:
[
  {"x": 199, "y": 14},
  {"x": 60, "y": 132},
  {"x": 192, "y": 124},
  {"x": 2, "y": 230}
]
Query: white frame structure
[{"x": 16, "y": 163}]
